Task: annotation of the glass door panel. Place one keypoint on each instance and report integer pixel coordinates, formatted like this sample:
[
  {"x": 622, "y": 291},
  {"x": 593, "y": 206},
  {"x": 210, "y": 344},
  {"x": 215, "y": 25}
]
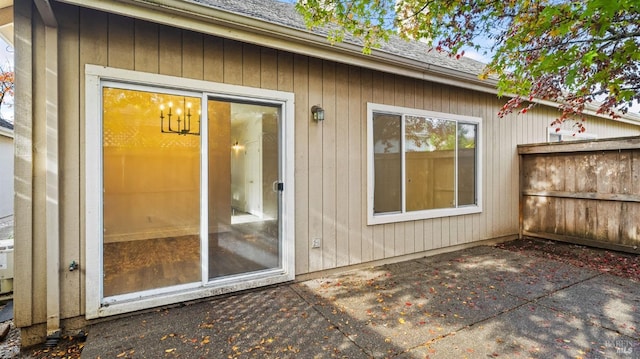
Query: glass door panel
[
  {"x": 243, "y": 188},
  {"x": 151, "y": 159}
]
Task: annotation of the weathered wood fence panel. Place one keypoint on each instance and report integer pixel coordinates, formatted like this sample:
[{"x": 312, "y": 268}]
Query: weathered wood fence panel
[{"x": 582, "y": 192}]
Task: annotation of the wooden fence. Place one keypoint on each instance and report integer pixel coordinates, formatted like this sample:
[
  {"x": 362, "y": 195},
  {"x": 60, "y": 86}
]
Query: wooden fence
[{"x": 582, "y": 192}]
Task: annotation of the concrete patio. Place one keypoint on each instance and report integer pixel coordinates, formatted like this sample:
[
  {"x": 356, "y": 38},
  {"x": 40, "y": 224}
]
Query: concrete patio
[{"x": 476, "y": 303}]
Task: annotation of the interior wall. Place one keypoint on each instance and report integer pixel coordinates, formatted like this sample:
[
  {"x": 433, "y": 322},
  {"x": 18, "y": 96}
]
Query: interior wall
[{"x": 219, "y": 166}]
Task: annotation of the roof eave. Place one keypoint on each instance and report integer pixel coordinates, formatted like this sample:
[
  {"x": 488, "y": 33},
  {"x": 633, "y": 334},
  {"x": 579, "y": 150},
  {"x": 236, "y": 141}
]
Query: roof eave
[
  {"x": 242, "y": 28},
  {"x": 6, "y": 132},
  {"x": 239, "y": 27}
]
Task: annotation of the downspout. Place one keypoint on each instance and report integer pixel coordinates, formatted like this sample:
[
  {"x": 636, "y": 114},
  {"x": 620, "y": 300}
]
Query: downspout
[{"x": 52, "y": 178}]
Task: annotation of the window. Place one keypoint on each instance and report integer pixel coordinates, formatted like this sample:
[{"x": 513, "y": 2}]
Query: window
[{"x": 422, "y": 164}]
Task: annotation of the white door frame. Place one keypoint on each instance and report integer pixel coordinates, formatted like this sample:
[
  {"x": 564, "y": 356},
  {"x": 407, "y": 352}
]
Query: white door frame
[{"x": 95, "y": 76}]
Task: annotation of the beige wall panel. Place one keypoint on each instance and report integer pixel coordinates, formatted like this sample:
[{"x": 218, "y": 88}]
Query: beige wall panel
[
  {"x": 146, "y": 52},
  {"x": 315, "y": 167},
  {"x": 251, "y": 61},
  {"x": 69, "y": 127},
  {"x": 285, "y": 71},
  {"x": 356, "y": 160},
  {"x": 342, "y": 135},
  {"x": 268, "y": 68},
  {"x": 232, "y": 68},
  {"x": 23, "y": 166},
  {"x": 121, "y": 42},
  {"x": 192, "y": 55},
  {"x": 170, "y": 51},
  {"x": 213, "y": 59},
  {"x": 303, "y": 124},
  {"x": 39, "y": 175},
  {"x": 329, "y": 165}
]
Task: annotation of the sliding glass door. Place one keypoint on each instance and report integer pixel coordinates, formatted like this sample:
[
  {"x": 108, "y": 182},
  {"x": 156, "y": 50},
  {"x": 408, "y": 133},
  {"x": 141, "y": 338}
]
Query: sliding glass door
[
  {"x": 156, "y": 201},
  {"x": 151, "y": 199}
]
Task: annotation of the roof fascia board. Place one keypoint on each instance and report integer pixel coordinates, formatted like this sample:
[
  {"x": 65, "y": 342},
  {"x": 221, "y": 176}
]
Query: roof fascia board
[
  {"x": 6, "y": 132},
  {"x": 225, "y": 24}
]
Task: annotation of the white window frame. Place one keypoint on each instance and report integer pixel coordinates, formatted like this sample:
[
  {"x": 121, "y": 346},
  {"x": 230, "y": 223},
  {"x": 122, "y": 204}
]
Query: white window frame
[
  {"x": 403, "y": 215},
  {"x": 571, "y": 135},
  {"x": 95, "y": 78}
]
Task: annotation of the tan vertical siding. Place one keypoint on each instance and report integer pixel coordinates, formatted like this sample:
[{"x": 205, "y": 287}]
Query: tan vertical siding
[
  {"x": 39, "y": 176},
  {"x": 121, "y": 45},
  {"x": 315, "y": 167},
  {"x": 146, "y": 47},
  {"x": 69, "y": 139},
  {"x": 328, "y": 148},
  {"x": 330, "y": 157},
  {"x": 192, "y": 55},
  {"x": 301, "y": 82},
  {"x": 169, "y": 51},
  {"x": 23, "y": 225},
  {"x": 356, "y": 167},
  {"x": 342, "y": 165}
]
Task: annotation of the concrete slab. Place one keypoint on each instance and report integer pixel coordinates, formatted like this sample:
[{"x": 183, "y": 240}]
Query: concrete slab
[
  {"x": 273, "y": 322},
  {"x": 405, "y": 304},
  {"x": 607, "y": 301},
  {"x": 523, "y": 276},
  {"x": 530, "y": 331},
  {"x": 481, "y": 302}
]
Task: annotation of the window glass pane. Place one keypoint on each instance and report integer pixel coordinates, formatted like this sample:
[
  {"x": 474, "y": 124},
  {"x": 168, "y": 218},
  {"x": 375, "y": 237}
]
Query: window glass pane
[
  {"x": 387, "y": 163},
  {"x": 151, "y": 191},
  {"x": 430, "y": 146},
  {"x": 243, "y": 204},
  {"x": 467, "y": 163}
]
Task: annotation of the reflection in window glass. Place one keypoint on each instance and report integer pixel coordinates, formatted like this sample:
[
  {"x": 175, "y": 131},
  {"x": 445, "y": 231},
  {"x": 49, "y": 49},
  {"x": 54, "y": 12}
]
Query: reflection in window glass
[
  {"x": 425, "y": 164},
  {"x": 467, "y": 163},
  {"x": 387, "y": 163},
  {"x": 151, "y": 191},
  {"x": 243, "y": 205},
  {"x": 430, "y": 146}
]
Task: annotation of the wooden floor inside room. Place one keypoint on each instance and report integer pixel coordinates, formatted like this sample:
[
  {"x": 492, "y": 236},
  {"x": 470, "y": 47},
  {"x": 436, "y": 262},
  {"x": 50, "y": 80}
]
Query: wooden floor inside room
[
  {"x": 133, "y": 266},
  {"x": 152, "y": 263}
]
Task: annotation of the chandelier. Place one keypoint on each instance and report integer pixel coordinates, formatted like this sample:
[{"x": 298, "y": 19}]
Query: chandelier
[{"x": 182, "y": 124}]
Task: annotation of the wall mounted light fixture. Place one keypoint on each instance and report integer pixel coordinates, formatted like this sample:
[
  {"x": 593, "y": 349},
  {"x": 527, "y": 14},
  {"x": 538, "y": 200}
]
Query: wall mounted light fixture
[{"x": 317, "y": 112}]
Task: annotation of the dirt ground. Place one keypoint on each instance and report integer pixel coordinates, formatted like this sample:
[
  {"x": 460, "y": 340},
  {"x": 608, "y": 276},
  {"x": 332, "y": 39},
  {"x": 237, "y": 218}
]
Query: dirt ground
[{"x": 615, "y": 263}]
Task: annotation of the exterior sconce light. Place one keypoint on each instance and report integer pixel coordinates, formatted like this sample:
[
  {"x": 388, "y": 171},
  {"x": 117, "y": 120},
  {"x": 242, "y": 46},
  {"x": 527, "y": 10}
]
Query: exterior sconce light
[{"x": 318, "y": 113}]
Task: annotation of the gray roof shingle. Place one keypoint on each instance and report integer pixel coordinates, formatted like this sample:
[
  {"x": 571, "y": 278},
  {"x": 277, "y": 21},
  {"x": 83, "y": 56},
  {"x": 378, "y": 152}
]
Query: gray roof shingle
[{"x": 285, "y": 14}]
